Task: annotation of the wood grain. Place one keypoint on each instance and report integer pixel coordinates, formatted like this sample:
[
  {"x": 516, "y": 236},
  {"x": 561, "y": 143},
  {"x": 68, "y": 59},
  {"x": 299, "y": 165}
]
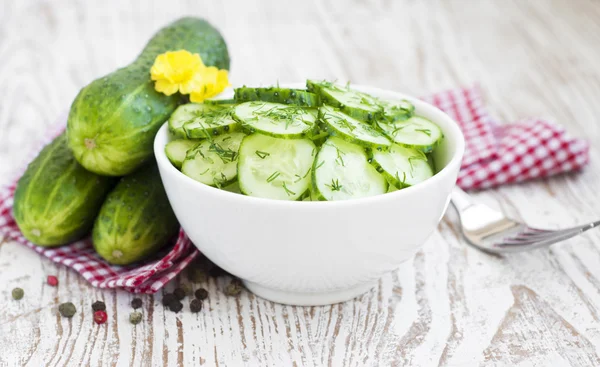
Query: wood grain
[{"x": 449, "y": 306}]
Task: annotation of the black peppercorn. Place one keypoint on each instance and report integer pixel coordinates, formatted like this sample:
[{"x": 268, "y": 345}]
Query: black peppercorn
[
  {"x": 168, "y": 298},
  {"x": 179, "y": 293},
  {"x": 98, "y": 306},
  {"x": 195, "y": 305},
  {"x": 136, "y": 303},
  {"x": 201, "y": 293},
  {"x": 175, "y": 306}
]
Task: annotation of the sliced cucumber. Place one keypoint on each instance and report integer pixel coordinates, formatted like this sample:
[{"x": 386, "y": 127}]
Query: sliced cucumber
[
  {"x": 205, "y": 120},
  {"x": 416, "y": 132},
  {"x": 352, "y": 130},
  {"x": 275, "y": 168},
  {"x": 184, "y": 114},
  {"x": 276, "y": 119},
  {"x": 353, "y": 103},
  {"x": 342, "y": 171},
  {"x": 403, "y": 166},
  {"x": 176, "y": 150},
  {"x": 296, "y": 97},
  {"x": 397, "y": 110},
  {"x": 233, "y": 187},
  {"x": 214, "y": 161}
]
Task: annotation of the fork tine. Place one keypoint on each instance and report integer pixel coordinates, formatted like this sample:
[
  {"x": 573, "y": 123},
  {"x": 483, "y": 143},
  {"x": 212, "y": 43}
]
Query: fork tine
[{"x": 544, "y": 238}]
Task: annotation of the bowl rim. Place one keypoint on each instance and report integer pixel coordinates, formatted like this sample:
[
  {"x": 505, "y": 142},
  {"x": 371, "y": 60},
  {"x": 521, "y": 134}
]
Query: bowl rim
[{"x": 455, "y": 161}]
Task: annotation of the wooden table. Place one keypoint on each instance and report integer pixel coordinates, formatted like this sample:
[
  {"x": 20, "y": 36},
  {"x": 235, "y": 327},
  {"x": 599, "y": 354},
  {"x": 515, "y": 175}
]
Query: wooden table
[{"x": 451, "y": 305}]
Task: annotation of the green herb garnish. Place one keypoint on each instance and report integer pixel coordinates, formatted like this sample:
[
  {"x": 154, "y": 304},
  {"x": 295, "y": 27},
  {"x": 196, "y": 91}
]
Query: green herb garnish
[
  {"x": 288, "y": 191},
  {"x": 273, "y": 176},
  {"x": 262, "y": 155},
  {"x": 335, "y": 185}
]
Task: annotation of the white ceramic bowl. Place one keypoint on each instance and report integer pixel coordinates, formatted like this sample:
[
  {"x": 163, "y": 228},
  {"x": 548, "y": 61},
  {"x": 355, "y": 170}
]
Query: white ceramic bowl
[{"x": 314, "y": 253}]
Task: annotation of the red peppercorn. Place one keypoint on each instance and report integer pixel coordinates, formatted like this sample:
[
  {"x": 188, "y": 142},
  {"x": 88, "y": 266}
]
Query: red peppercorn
[
  {"x": 52, "y": 280},
  {"x": 100, "y": 317}
]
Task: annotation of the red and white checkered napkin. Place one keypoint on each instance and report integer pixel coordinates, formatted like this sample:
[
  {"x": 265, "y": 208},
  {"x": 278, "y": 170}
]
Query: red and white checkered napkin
[{"x": 495, "y": 154}]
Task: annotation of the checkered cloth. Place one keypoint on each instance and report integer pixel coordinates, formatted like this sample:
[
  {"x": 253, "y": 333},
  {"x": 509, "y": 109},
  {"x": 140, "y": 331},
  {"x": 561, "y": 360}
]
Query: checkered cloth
[{"x": 495, "y": 154}]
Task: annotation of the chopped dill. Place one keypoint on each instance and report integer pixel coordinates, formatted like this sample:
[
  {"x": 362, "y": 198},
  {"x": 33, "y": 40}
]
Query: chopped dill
[
  {"x": 288, "y": 191},
  {"x": 273, "y": 176},
  {"x": 262, "y": 155},
  {"x": 424, "y": 131},
  {"x": 335, "y": 185}
]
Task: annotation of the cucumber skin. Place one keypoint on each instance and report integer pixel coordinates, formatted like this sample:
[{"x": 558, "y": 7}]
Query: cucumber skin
[
  {"x": 296, "y": 97},
  {"x": 69, "y": 213},
  {"x": 118, "y": 115},
  {"x": 136, "y": 219}
]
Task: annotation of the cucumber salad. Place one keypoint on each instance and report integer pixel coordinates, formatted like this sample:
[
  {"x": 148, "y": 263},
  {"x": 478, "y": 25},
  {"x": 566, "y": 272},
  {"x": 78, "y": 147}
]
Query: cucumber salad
[{"x": 325, "y": 142}]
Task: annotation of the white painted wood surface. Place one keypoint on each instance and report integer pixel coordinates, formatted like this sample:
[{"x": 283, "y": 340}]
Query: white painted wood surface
[{"x": 451, "y": 305}]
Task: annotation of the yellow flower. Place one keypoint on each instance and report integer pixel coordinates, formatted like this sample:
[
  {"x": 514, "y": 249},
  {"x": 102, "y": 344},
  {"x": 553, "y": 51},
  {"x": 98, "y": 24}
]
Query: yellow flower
[
  {"x": 177, "y": 71},
  {"x": 213, "y": 81}
]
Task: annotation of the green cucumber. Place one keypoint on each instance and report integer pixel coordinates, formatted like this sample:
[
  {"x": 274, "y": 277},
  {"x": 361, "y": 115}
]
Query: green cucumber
[
  {"x": 214, "y": 161},
  {"x": 296, "y": 97},
  {"x": 342, "y": 171},
  {"x": 416, "y": 132},
  {"x": 56, "y": 200},
  {"x": 113, "y": 120},
  {"x": 136, "y": 219},
  {"x": 353, "y": 103},
  {"x": 350, "y": 129},
  {"x": 176, "y": 150},
  {"x": 403, "y": 167},
  {"x": 204, "y": 121},
  {"x": 276, "y": 119},
  {"x": 275, "y": 168}
]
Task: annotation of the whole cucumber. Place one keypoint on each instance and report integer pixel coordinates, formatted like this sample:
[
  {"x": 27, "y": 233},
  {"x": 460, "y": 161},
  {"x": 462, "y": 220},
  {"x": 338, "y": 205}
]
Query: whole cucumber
[
  {"x": 113, "y": 120},
  {"x": 136, "y": 219},
  {"x": 56, "y": 199}
]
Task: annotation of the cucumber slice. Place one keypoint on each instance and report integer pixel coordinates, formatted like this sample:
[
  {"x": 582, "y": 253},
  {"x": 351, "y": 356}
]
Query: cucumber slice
[
  {"x": 183, "y": 114},
  {"x": 353, "y": 103},
  {"x": 342, "y": 171},
  {"x": 233, "y": 187},
  {"x": 177, "y": 149},
  {"x": 275, "y": 168},
  {"x": 416, "y": 132},
  {"x": 296, "y": 97},
  {"x": 276, "y": 119},
  {"x": 351, "y": 129},
  {"x": 208, "y": 120},
  {"x": 402, "y": 166},
  {"x": 214, "y": 161},
  {"x": 394, "y": 111}
]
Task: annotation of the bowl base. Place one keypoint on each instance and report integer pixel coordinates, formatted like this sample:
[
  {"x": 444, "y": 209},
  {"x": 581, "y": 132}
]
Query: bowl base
[{"x": 308, "y": 298}]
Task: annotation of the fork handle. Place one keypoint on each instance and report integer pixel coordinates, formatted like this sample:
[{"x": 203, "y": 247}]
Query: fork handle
[{"x": 460, "y": 199}]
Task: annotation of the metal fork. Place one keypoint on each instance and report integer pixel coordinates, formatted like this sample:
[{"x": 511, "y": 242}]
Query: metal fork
[{"x": 491, "y": 231}]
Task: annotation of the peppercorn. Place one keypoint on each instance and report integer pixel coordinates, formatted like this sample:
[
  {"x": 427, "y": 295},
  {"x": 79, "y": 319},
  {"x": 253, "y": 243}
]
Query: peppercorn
[
  {"x": 168, "y": 298},
  {"x": 201, "y": 293},
  {"x": 175, "y": 306},
  {"x": 100, "y": 317},
  {"x": 17, "y": 293},
  {"x": 196, "y": 305},
  {"x": 99, "y": 306},
  {"x": 234, "y": 288},
  {"x": 52, "y": 280},
  {"x": 179, "y": 293},
  {"x": 136, "y": 303},
  {"x": 67, "y": 309},
  {"x": 135, "y": 317}
]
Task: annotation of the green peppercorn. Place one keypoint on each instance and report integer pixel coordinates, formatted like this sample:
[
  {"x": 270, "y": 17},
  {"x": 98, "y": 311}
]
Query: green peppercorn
[
  {"x": 135, "y": 317},
  {"x": 234, "y": 288},
  {"x": 179, "y": 293},
  {"x": 195, "y": 305},
  {"x": 201, "y": 293},
  {"x": 17, "y": 293},
  {"x": 98, "y": 306},
  {"x": 136, "y": 303},
  {"x": 67, "y": 309}
]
